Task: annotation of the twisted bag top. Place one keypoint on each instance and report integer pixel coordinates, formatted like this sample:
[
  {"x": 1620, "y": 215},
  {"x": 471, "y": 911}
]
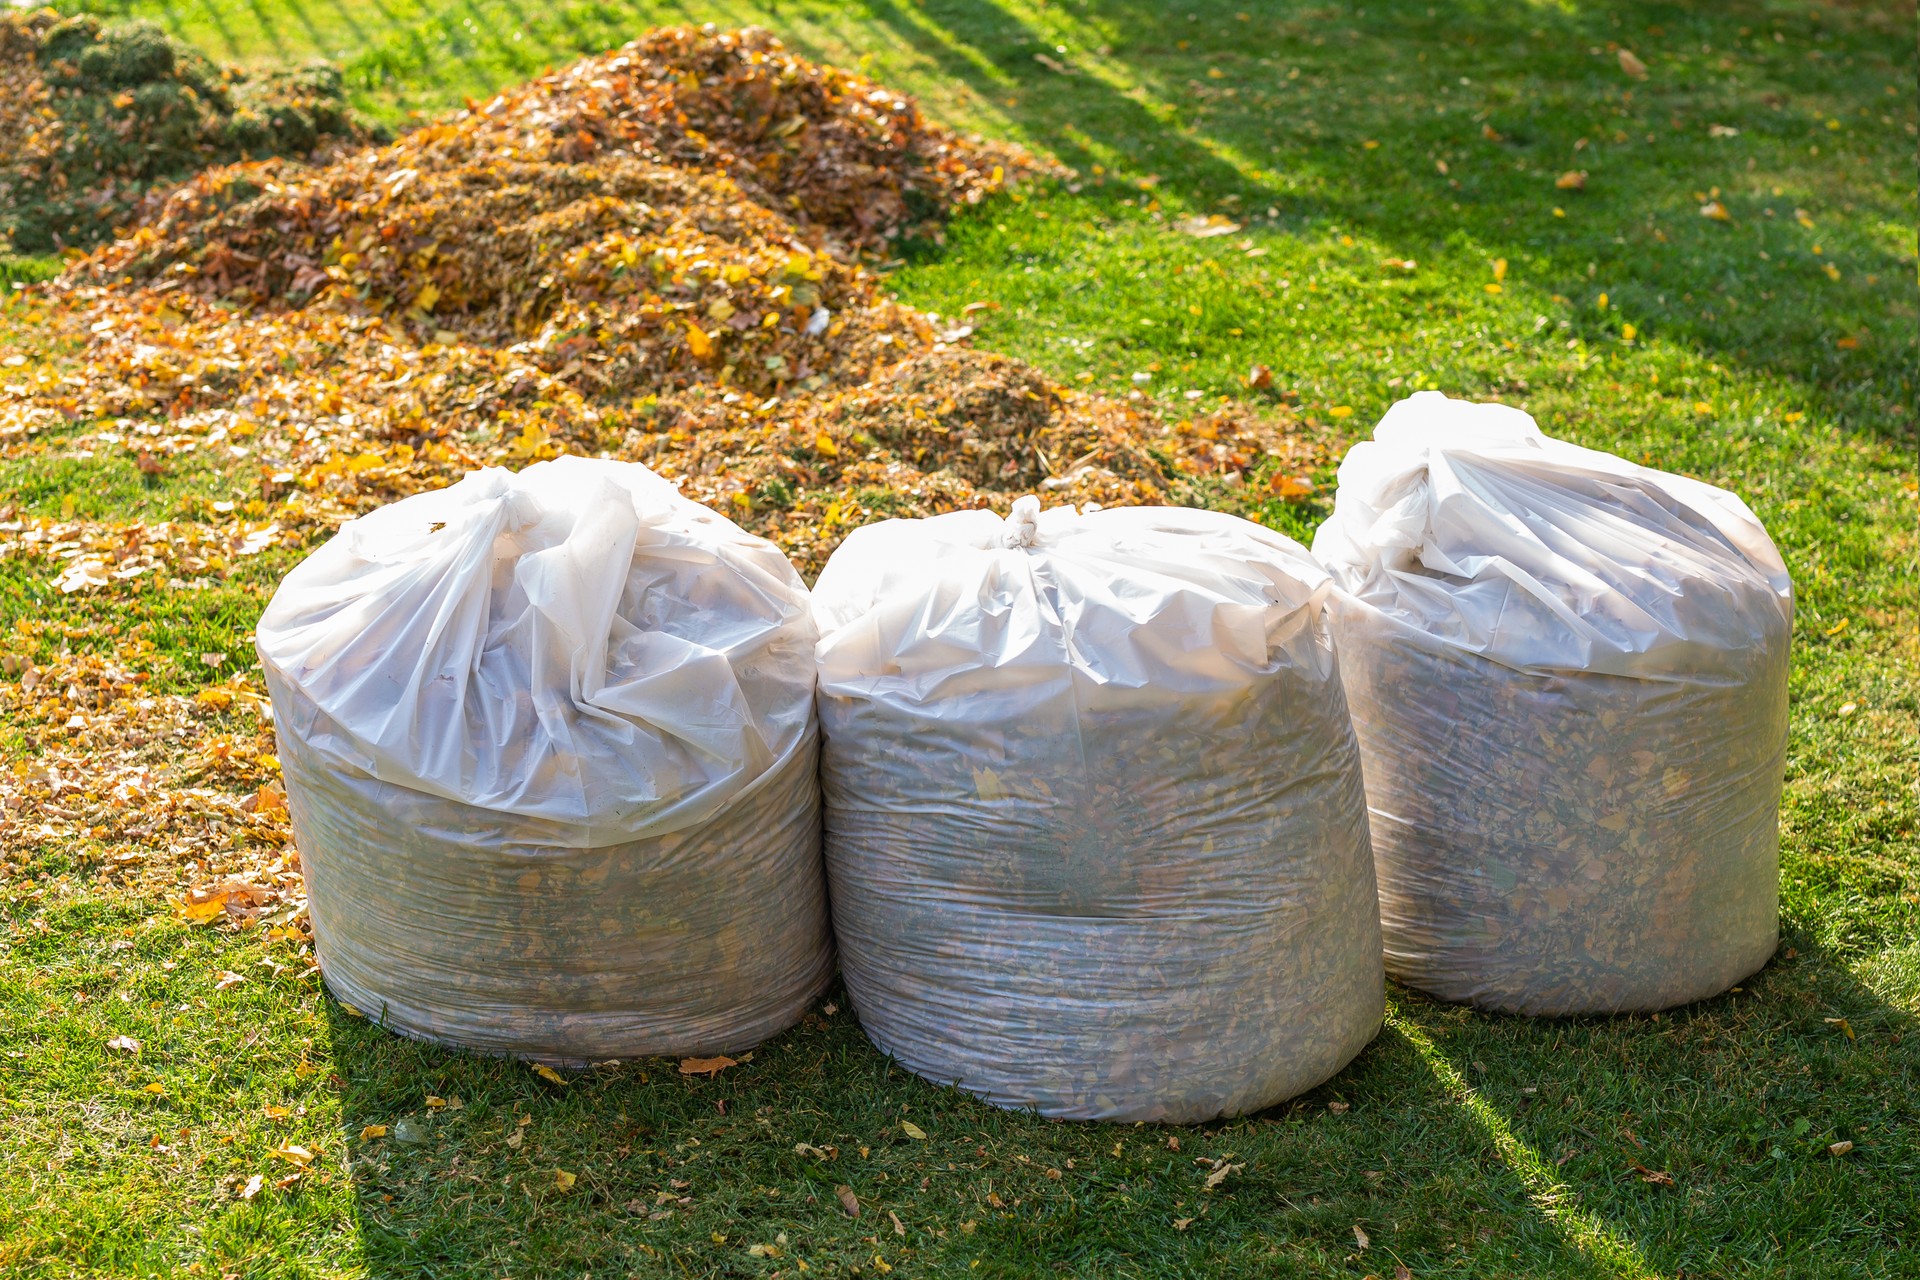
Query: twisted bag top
[
  {"x": 575, "y": 644},
  {"x": 1135, "y": 604},
  {"x": 1465, "y": 522}
]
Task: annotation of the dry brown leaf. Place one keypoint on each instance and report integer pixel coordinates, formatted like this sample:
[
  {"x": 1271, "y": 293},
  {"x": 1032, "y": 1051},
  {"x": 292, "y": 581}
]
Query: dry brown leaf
[
  {"x": 849, "y": 1203},
  {"x": 1653, "y": 1177},
  {"x": 706, "y": 1066}
]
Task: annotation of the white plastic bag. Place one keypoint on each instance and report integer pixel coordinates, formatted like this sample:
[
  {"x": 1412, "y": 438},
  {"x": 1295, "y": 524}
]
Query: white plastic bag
[
  {"x": 1096, "y": 836},
  {"x": 1569, "y": 678},
  {"x": 550, "y": 755}
]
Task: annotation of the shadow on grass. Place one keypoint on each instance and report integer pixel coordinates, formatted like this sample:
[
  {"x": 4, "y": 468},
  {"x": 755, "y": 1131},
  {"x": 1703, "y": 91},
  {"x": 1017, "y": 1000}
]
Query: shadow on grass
[
  {"x": 1444, "y": 131},
  {"x": 1502, "y": 1145}
]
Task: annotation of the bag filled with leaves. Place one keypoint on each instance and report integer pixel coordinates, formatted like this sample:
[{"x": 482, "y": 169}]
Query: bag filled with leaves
[
  {"x": 550, "y": 754},
  {"x": 1096, "y": 835},
  {"x": 1568, "y": 674}
]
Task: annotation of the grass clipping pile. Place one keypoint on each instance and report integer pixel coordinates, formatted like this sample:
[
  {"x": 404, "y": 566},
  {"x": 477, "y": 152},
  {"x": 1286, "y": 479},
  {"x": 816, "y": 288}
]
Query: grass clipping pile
[
  {"x": 93, "y": 118},
  {"x": 656, "y": 254}
]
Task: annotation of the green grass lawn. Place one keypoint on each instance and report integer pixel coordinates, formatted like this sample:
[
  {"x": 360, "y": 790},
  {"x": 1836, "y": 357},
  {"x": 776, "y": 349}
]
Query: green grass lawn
[{"x": 1772, "y": 351}]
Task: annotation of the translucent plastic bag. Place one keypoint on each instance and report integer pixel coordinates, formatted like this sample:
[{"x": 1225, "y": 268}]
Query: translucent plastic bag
[
  {"x": 550, "y": 754},
  {"x": 1096, "y": 836},
  {"x": 1568, "y": 674}
]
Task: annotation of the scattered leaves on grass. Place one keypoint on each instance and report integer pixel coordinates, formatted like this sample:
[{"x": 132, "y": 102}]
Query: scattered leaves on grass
[
  {"x": 1839, "y": 1148},
  {"x": 551, "y": 1076},
  {"x": 913, "y": 1131},
  {"x": 849, "y": 1203},
  {"x": 369, "y": 1132},
  {"x": 563, "y": 1181}
]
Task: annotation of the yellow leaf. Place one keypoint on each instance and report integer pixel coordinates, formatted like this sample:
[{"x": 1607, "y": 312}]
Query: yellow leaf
[
  {"x": 373, "y": 1131},
  {"x": 1628, "y": 333},
  {"x": 548, "y": 1074},
  {"x": 427, "y": 297},
  {"x": 1341, "y": 411},
  {"x": 1499, "y": 268},
  {"x": 156, "y": 1088},
  {"x": 293, "y": 1155},
  {"x": 824, "y": 444},
  {"x": 435, "y": 1102},
  {"x": 698, "y": 340},
  {"x": 1492, "y": 288},
  {"x": 987, "y": 783},
  {"x": 913, "y": 1131},
  {"x": 201, "y": 912},
  {"x": 562, "y": 1180},
  {"x": 1715, "y": 210},
  {"x": 1600, "y": 303}
]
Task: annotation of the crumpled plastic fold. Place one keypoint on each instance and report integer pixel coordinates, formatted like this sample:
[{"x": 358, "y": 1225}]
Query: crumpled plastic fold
[
  {"x": 1568, "y": 674},
  {"x": 550, "y": 749},
  {"x": 1096, "y": 837}
]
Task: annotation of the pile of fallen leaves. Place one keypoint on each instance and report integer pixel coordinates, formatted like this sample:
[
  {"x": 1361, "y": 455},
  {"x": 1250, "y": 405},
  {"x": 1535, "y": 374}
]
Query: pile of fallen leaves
[
  {"x": 93, "y": 116},
  {"x": 662, "y": 254}
]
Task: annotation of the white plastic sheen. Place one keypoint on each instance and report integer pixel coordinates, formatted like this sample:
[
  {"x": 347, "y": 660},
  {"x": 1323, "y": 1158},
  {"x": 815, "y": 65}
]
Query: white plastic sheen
[
  {"x": 550, "y": 752},
  {"x": 1096, "y": 835},
  {"x": 1568, "y": 674}
]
